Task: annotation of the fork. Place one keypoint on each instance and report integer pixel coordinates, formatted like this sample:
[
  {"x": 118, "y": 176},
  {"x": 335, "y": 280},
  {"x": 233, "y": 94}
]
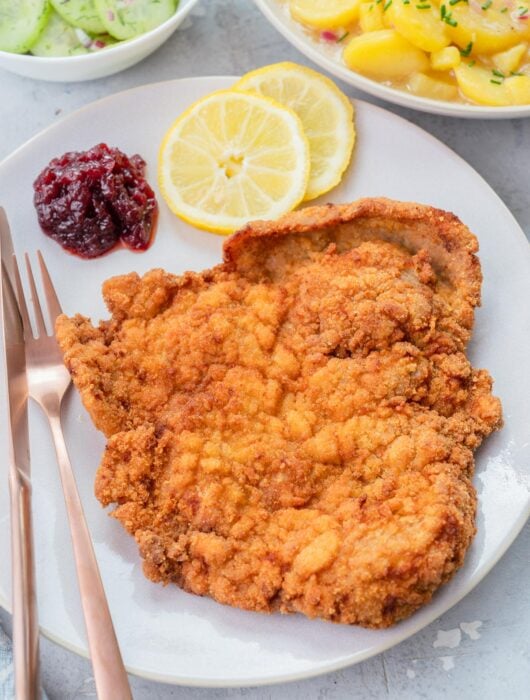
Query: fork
[{"x": 48, "y": 379}]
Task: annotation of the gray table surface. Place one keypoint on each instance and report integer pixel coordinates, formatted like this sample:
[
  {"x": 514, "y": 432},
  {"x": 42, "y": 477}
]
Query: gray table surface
[{"x": 452, "y": 657}]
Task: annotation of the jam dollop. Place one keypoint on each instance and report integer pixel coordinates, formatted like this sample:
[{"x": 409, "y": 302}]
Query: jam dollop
[{"x": 90, "y": 200}]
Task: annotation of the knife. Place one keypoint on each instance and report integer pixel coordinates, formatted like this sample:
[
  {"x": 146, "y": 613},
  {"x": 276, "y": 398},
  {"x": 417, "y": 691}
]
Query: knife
[{"x": 25, "y": 623}]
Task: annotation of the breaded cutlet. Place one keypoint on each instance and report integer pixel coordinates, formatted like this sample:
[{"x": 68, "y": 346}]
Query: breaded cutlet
[{"x": 293, "y": 430}]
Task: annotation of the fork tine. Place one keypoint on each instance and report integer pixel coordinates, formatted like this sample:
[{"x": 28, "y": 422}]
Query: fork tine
[
  {"x": 26, "y": 323},
  {"x": 54, "y": 307},
  {"x": 39, "y": 318}
]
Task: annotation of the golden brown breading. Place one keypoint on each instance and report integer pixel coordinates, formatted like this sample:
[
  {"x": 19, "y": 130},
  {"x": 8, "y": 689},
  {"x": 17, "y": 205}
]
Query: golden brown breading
[{"x": 294, "y": 429}]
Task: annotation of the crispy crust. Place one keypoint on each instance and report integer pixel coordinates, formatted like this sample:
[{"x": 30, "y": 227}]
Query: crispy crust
[
  {"x": 294, "y": 429},
  {"x": 266, "y": 248}
]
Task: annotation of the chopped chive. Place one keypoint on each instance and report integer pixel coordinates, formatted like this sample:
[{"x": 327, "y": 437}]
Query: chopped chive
[
  {"x": 496, "y": 82},
  {"x": 465, "y": 52},
  {"x": 455, "y": 2},
  {"x": 471, "y": 64},
  {"x": 387, "y": 5},
  {"x": 487, "y": 4},
  {"x": 446, "y": 17},
  {"x": 406, "y": 2},
  {"x": 498, "y": 73},
  {"x": 425, "y": 6},
  {"x": 515, "y": 72},
  {"x": 344, "y": 36},
  {"x": 504, "y": 9}
]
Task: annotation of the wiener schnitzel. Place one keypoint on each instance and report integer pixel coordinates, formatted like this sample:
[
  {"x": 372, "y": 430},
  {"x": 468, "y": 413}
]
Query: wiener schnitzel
[{"x": 294, "y": 429}]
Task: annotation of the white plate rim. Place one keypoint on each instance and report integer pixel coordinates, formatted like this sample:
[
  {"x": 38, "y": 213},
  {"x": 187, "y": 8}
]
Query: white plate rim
[
  {"x": 399, "y": 97},
  {"x": 357, "y": 657}
]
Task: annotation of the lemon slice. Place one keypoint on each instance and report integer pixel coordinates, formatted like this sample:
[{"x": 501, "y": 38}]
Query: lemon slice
[
  {"x": 326, "y": 114},
  {"x": 232, "y": 157},
  {"x": 325, "y": 14}
]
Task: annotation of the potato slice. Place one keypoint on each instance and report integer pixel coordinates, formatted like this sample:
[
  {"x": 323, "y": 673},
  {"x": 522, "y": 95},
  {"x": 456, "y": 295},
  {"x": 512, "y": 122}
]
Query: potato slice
[
  {"x": 509, "y": 60},
  {"x": 483, "y": 87},
  {"x": 518, "y": 87},
  {"x": 425, "y": 86},
  {"x": 384, "y": 55},
  {"x": 325, "y": 14},
  {"x": 489, "y": 31},
  {"x": 371, "y": 16},
  {"x": 445, "y": 59},
  {"x": 420, "y": 23}
]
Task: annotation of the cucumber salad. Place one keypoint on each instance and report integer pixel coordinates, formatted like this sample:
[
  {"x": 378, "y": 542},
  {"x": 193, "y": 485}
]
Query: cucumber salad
[{"x": 75, "y": 27}]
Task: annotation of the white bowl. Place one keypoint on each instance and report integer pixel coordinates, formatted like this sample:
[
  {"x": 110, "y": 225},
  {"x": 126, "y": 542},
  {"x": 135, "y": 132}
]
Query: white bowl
[
  {"x": 294, "y": 33},
  {"x": 97, "y": 64}
]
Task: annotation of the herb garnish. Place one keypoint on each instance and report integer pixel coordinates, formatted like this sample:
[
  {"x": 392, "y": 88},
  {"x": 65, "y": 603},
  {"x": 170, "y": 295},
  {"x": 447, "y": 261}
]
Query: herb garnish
[
  {"x": 500, "y": 77},
  {"x": 465, "y": 52},
  {"x": 447, "y": 17}
]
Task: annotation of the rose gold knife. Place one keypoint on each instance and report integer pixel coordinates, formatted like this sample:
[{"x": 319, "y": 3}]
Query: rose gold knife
[{"x": 25, "y": 623}]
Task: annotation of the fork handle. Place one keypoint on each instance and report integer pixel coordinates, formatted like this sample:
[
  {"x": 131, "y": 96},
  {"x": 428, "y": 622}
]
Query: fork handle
[{"x": 109, "y": 672}]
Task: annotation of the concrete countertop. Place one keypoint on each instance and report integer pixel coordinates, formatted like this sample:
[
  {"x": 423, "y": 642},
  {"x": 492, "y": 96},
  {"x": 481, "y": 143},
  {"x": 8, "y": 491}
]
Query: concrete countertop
[{"x": 480, "y": 648}]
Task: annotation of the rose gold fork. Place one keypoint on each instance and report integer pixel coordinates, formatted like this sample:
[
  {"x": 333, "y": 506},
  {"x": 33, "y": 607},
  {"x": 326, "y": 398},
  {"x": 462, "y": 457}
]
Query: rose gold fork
[{"x": 48, "y": 380}]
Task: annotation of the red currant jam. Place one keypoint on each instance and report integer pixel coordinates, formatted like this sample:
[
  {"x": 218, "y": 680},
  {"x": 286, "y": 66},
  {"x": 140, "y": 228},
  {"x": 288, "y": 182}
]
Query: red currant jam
[{"x": 90, "y": 200}]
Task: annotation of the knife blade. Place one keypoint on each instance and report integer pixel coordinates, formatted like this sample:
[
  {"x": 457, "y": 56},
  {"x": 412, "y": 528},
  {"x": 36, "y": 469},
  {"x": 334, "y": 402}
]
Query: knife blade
[{"x": 25, "y": 622}]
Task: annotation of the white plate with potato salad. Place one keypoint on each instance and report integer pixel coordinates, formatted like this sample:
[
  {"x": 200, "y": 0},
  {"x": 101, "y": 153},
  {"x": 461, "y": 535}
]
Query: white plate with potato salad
[
  {"x": 165, "y": 633},
  {"x": 462, "y": 58}
]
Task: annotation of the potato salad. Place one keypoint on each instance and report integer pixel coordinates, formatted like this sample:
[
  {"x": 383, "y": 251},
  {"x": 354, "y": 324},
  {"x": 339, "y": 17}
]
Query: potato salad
[{"x": 473, "y": 51}]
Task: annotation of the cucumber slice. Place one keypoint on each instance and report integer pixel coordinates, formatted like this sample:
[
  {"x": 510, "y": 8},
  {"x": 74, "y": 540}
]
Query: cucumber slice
[
  {"x": 102, "y": 41},
  {"x": 79, "y": 13},
  {"x": 61, "y": 39},
  {"x": 21, "y": 23},
  {"x": 126, "y": 19}
]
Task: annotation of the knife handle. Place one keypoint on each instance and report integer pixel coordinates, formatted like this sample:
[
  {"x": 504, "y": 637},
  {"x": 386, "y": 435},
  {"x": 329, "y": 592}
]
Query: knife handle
[{"x": 25, "y": 623}]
